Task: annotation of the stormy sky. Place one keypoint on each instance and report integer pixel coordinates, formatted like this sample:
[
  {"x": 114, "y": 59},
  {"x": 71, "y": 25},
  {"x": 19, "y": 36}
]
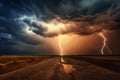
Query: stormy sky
[{"x": 31, "y": 27}]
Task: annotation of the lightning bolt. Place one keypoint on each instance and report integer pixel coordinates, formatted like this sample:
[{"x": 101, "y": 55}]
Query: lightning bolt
[
  {"x": 60, "y": 45},
  {"x": 61, "y": 49},
  {"x": 104, "y": 44}
]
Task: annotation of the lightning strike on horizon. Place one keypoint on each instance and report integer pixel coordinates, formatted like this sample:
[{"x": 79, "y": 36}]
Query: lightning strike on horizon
[
  {"x": 104, "y": 44},
  {"x": 60, "y": 46},
  {"x": 61, "y": 49}
]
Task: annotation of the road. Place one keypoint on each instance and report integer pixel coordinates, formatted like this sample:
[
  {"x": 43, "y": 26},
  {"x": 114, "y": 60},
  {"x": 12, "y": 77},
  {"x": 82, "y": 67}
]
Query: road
[{"x": 62, "y": 69}]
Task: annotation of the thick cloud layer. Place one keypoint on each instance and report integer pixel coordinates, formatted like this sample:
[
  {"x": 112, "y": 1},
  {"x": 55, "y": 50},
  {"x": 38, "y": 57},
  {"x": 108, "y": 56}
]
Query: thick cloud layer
[
  {"x": 22, "y": 20},
  {"x": 86, "y": 17}
]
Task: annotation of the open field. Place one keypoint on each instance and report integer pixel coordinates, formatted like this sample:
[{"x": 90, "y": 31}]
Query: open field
[
  {"x": 108, "y": 62},
  {"x": 60, "y": 68},
  {"x": 11, "y": 63}
]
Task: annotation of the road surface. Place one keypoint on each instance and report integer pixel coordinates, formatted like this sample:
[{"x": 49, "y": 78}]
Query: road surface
[{"x": 62, "y": 69}]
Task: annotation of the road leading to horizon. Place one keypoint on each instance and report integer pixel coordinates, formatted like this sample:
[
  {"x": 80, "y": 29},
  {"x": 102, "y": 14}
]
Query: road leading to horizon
[{"x": 62, "y": 68}]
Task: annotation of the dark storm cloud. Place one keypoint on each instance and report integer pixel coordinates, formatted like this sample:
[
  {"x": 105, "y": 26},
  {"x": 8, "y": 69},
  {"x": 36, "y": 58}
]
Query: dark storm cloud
[
  {"x": 90, "y": 16},
  {"x": 21, "y": 18},
  {"x": 36, "y": 28},
  {"x": 17, "y": 29}
]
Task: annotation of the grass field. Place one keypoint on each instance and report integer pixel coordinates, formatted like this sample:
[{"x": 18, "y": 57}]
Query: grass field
[
  {"x": 109, "y": 62},
  {"x": 11, "y": 63}
]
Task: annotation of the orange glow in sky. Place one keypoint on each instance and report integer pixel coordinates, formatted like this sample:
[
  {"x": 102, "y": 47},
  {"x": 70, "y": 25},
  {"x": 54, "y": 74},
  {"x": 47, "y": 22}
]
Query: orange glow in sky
[{"x": 69, "y": 43}]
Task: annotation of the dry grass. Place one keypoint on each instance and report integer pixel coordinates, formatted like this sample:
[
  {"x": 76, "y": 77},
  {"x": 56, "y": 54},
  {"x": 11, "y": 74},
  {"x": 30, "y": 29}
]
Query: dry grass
[{"x": 11, "y": 63}]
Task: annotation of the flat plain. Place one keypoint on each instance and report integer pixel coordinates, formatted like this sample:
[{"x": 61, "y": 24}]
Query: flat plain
[{"x": 60, "y": 67}]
